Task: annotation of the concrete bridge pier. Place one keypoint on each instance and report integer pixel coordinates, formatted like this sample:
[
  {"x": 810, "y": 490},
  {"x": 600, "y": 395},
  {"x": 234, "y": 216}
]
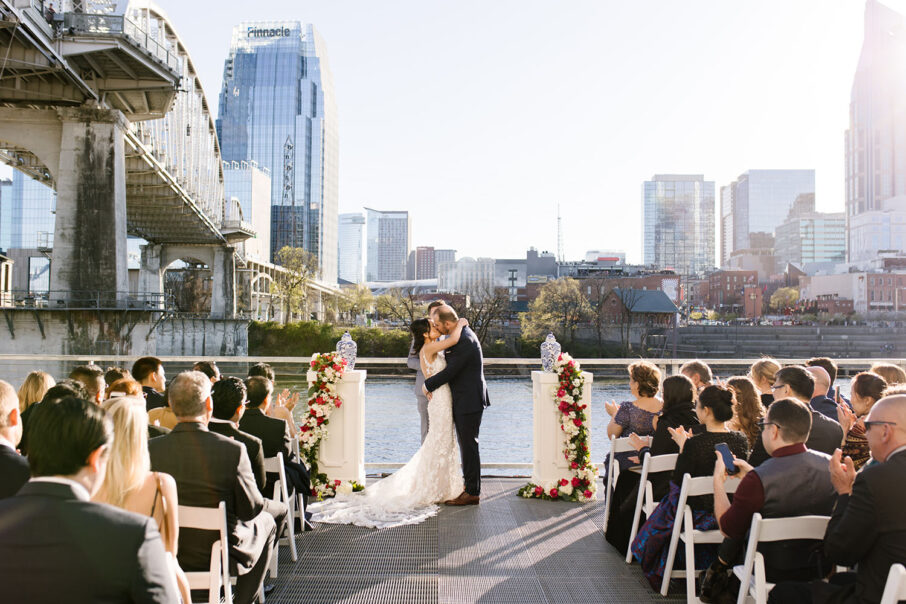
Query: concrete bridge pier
[
  {"x": 89, "y": 249},
  {"x": 220, "y": 258}
]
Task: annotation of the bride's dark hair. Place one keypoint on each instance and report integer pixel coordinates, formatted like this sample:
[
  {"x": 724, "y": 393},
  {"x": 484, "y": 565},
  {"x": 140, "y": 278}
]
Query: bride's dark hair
[{"x": 419, "y": 328}]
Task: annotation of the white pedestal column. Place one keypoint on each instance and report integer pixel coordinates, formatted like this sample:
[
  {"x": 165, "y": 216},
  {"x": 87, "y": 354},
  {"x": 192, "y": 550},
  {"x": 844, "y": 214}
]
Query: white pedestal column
[
  {"x": 342, "y": 453},
  {"x": 548, "y": 462}
]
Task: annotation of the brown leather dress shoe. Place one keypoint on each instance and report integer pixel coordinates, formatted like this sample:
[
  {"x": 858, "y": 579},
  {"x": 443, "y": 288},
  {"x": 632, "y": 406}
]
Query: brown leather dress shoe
[{"x": 464, "y": 499}]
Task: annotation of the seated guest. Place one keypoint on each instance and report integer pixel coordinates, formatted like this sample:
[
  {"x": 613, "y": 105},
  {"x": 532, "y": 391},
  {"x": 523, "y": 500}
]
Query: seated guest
[
  {"x": 679, "y": 410},
  {"x": 795, "y": 382},
  {"x": 210, "y": 468},
  {"x": 275, "y": 437},
  {"x": 867, "y": 529},
  {"x": 55, "y": 393},
  {"x": 129, "y": 387},
  {"x": 747, "y": 409},
  {"x": 130, "y": 484},
  {"x": 209, "y": 368},
  {"x": 149, "y": 372},
  {"x": 282, "y": 405},
  {"x": 13, "y": 467},
  {"x": 638, "y": 416},
  {"x": 832, "y": 371},
  {"x": 892, "y": 374},
  {"x": 762, "y": 373},
  {"x": 56, "y": 544},
  {"x": 163, "y": 417},
  {"x": 32, "y": 390},
  {"x": 820, "y": 402},
  {"x": 114, "y": 374},
  {"x": 714, "y": 409},
  {"x": 867, "y": 388},
  {"x": 699, "y": 373},
  {"x": 228, "y": 397},
  {"x": 795, "y": 481},
  {"x": 92, "y": 378}
]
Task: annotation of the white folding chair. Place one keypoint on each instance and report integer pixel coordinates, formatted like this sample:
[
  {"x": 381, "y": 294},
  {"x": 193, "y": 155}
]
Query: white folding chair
[
  {"x": 218, "y": 575},
  {"x": 645, "y": 498},
  {"x": 772, "y": 529},
  {"x": 274, "y": 465},
  {"x": 298, "y": 500},
  {"x": 684, "y": 528},
  {"x": 617, "y": 445},
  {"x": 895, "y": 588}
]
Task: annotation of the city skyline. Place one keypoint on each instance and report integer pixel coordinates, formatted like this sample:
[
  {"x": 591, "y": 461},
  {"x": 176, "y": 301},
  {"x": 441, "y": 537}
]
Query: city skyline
[{"x": 765, "y": 86}]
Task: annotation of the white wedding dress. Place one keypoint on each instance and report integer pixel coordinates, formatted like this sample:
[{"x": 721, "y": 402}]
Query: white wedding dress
[{"x": 410, "y": 495}]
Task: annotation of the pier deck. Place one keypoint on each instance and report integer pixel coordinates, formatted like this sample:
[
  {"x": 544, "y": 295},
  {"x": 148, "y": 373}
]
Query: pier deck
[{"x": 508, "y": 550}]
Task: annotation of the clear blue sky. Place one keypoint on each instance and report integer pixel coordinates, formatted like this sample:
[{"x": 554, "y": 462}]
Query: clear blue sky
[{"x": 479, "y": 116}]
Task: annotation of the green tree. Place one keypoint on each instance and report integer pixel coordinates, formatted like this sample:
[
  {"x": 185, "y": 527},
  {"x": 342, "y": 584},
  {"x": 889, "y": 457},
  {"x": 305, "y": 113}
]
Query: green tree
[
  {"x": 783, "y": 298},
  {"x": 356, "y": 301},
  {"x": 301, "y": 266},
  {"x": 560, "y": 308}
]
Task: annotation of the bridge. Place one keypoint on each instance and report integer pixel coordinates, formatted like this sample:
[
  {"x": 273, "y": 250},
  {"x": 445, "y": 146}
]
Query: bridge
[{"x": 100, "y": 100}]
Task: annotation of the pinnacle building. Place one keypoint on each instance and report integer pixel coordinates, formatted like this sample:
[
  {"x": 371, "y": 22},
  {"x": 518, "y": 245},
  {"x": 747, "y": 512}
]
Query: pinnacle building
[{"x": 277, "y": 109}]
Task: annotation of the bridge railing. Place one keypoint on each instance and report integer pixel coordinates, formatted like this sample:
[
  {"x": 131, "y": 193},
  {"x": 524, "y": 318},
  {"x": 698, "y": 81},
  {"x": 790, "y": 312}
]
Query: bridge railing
[
  {"x": 118, "y": 25},
  {"x": 83, "y": 300}
]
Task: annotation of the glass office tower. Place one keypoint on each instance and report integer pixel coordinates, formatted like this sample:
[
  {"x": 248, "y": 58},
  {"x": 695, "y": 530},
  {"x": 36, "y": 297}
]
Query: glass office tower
[
  {"x": 678, "y": 223},
  {"x": 277, "y": 108},
  {"x": 761, "y": 199}
]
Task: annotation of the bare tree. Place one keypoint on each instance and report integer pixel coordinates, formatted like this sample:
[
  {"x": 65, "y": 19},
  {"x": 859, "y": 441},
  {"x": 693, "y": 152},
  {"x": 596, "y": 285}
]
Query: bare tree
[
  {"x": 292, "y": 284},
  {"x": 487, "y": 306},
  {"x": 401, "y": 305}
]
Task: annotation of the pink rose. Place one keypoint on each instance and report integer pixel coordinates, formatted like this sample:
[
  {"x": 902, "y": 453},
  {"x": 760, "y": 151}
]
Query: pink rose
[
  {"x": 554, "y": 493},
  {"x": 576, "y": 481}
]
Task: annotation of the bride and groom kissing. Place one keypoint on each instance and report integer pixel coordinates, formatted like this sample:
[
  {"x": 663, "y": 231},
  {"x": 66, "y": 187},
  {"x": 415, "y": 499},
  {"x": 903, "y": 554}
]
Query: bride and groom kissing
[{"x": 447, "y": 467}]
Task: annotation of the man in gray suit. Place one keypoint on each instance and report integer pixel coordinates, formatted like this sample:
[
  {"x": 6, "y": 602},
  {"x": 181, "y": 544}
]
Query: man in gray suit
[
  {"x": 58, "y": 546},
  {"x": 413, "y": 362}
]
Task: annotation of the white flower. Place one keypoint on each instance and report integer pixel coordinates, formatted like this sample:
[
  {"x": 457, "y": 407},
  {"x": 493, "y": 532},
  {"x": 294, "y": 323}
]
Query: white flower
[
  {"x": 567, "y": 490},
  {"x": 345, "y": 488}
]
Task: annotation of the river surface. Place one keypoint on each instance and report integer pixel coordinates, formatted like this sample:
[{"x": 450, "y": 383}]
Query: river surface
[{"x": 393, "y": 433}]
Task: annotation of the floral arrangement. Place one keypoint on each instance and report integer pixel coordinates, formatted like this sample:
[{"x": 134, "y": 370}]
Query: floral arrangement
[
  {"x": 581, "y": 485},
  {"x": 323, "y": 399}
]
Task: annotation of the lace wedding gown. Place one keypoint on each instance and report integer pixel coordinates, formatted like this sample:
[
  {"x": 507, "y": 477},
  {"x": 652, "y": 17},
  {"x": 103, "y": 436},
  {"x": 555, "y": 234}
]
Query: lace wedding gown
[{"x": 410, "y": 495}]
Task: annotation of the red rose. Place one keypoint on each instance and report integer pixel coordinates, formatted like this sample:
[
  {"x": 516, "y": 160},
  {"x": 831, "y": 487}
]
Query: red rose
[
  {"x": 303, "y": 428},
  {"x": 554, "y": 492},
  {"x": 576, "y": 481},
  {"x": 336, "y": 483},
  {"x": 564, "y": 407},
  {"x": 574, "y": 466},
  {"x": 570, "y": 365},
  {"x": 539, "y": 491},
  {"x": 320, "y": 420},
  {"x": 561, "y": 393},
  {"x": 563, "y": 482},
  {"x": 588, "y": 494},
  {"x": 577, "y": 421},
  {"x": 338, "y": 404},
  {"x": 313, "y": 413},
  {"x": 314, "y": 492}
]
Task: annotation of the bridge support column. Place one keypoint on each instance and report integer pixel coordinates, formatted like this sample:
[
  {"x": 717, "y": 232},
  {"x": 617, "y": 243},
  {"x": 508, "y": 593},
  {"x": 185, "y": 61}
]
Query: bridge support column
[
  {"x": 151, "y": 272},
  {"x": 223, "y": 293},
  {"x": 89, "y": 248}
]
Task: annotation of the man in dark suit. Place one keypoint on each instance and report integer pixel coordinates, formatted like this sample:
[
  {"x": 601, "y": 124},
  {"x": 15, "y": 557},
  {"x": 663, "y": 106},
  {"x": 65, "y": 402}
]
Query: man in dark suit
[
  {"x": 149, "y": 372},
  {"x": 210, "y": 468},
  {"x": 795, "y": 382},
  {"x": 58, "y": 546},
  {"x": 820, "y": 402},
  {"x": 274, "y": 434},
  {"x": 13, "y": 467},
  {"x": 228, "y": 396},
  {"x": 868, "y": 526},
  {"x": 465, "y": 375}
]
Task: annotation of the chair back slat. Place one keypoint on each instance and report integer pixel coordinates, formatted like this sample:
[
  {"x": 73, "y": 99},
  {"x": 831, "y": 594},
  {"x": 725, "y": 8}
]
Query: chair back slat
[
  {"x": 274, "y": 464},
  {"x": 794, "y": 527},
  {"x": 206, "y": 519},
  {"x": 895, "y": 588},
  {"x": 621, "y": 445},
  {"x": 662, "y": 463}
]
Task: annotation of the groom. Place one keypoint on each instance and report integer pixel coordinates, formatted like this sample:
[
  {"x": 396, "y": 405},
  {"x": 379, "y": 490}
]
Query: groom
[{"x": 465, "y": 375}]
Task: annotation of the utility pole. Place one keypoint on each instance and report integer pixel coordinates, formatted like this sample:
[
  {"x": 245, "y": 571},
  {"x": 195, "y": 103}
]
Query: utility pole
[{"x": 559, "y": 235}]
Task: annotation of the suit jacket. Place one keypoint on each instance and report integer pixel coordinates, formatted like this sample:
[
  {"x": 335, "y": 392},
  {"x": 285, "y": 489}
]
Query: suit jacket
[
  {"x": 210, "y": 468},
  {"x": 26, "y": 419},
  {"x": 155, "y": 431},
  {"x": 869, "y": 528},
  {"x": 826, "y": 434},
  {"x": 273, "y": 432},
  {"x": 413, "y": 362},
  {"x": 63, "y": 548},
  {"x": 14, "y": 472},
  {"x": 825, "y": 406},
  {"x": 252, "y": 446},
  {"x": 153, "y": 398},
  {"x": 465, "y": 375}
]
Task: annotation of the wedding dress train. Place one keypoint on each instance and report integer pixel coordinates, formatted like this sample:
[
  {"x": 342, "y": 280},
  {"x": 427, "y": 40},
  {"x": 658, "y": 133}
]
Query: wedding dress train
[{"x": 410, "y": 495}]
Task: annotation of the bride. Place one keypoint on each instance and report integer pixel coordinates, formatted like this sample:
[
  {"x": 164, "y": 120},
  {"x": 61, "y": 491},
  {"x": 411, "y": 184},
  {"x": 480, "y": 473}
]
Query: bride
[{"x": 410, "y": 495}]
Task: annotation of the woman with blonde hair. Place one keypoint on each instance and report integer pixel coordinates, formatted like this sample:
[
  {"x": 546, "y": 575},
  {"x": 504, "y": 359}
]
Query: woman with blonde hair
[
  {"x": 762, "y": 375},
  {"x": 747, "y": 409},
  {"x": 131, "y": 485},
  {"x": 36, "y": 384}
]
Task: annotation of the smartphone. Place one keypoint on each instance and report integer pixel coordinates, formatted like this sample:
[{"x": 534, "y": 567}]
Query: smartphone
[{"x": 729, "y": 462}]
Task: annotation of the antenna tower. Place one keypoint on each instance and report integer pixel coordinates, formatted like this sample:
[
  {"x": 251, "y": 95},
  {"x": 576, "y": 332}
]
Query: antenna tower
[{"x": 559, "y": 235}]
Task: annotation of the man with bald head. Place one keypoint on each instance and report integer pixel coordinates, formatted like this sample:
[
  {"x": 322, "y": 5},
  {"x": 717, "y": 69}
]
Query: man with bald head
[
  {"x": 820, "y": 401},
  {"x": 13, "y": 467},
  {"x": 868, "y": 526}
]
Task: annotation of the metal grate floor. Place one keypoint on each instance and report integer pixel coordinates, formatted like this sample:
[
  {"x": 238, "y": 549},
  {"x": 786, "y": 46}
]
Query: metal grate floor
[{"x": 507, "y": 550}]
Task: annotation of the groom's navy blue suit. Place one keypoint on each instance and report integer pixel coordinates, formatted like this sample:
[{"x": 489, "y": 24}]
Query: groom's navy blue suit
[{"x": 465, "y": 375}]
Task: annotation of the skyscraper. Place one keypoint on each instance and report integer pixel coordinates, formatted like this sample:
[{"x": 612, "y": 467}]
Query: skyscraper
[
  {"x": 31, "y": 228},
  {"x": 425, "y": 263},
  {"x": 807, "y": 236},
  {"x": 277, "y": 108},
  {"x": 251, "y": 185},
  {"x": 352, "y": 247},
  {"x": 389, "y": 242},
  {"x": 726, "y": 223},
  {"x": 678, "y": 223},
  {"x": 876, "y": 139},
  {"x": 758, "y": 202}
]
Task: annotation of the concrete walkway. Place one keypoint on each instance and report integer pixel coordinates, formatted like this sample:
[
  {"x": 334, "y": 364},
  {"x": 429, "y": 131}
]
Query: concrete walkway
[{"x": 508, "y": 550}]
